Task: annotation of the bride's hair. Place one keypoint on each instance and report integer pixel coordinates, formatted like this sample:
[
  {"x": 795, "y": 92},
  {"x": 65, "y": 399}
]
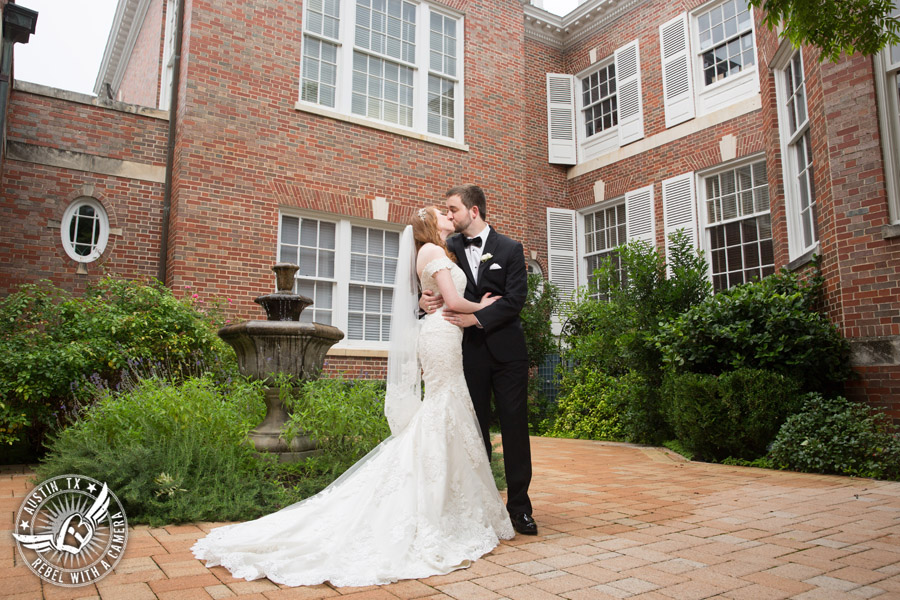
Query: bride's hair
[{"x": 425, "y": 230}]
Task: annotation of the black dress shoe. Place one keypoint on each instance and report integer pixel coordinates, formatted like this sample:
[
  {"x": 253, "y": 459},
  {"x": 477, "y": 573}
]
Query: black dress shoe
[{"x": 523, "y": 523}]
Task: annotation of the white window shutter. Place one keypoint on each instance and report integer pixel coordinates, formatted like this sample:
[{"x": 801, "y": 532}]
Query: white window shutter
[
  {"x": 628, "y": 84},
  {"x": 562, "y": 251},
  {"x": 639, "y": 215},
  {"x": 678, "y": 92},
  {"x": 679, "y": 208},
  {"x": 561, "y": 118}
]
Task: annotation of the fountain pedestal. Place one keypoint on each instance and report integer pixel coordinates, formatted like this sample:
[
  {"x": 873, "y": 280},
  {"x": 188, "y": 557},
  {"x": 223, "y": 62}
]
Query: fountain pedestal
[{"x": 281, "y": 344}]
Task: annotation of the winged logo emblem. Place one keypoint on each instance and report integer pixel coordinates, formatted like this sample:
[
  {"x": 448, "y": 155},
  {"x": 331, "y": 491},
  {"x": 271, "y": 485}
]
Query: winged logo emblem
[{"x": 75, "y": 532}]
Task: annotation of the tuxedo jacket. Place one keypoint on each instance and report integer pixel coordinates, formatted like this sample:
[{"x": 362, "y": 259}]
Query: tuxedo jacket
[{"x": 503, "y": 274}]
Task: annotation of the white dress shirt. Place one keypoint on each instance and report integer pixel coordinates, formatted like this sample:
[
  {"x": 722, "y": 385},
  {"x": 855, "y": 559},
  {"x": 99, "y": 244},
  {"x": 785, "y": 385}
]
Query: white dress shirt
[{"x": 473, "y": 252}]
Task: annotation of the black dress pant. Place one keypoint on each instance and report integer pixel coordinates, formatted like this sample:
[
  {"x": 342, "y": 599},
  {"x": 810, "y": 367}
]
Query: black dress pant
[{"x": 507, "y": 382}]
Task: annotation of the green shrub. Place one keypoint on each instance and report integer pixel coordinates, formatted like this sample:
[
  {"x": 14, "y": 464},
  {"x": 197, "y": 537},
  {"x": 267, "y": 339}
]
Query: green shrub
[
  {"x": 586, "y": 406},
  {"x": 835, "y": 435},
  {"x": 615, "y": 334},
  {"x": 540, "y": 303},
  {"x": 51, "y": 342},
  {"x": 734, "y": 414},
  {"x": 345, "y": 417},
  {"x": 768, "y": 325},
  {"x": 172, "y": 452}
]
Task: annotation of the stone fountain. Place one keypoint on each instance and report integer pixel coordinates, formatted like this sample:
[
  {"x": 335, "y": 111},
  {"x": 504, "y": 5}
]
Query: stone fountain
[{"x": 281, "y": 344}]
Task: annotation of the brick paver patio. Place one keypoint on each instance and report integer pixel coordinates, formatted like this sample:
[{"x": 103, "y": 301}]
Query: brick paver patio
[{"x": 616, "y": 521}]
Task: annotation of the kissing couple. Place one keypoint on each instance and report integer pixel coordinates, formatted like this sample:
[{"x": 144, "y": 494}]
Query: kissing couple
[{"x": 424, "y": 501}]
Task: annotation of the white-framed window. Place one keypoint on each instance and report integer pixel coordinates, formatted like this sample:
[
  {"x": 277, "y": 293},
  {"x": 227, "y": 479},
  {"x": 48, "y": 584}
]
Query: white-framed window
[
  {"x": 887, "y": 86},
  {"x": 603, "y": 230},
  {"x": 578, "y": 241},
  {"x": 392, "y": 62},
  {"x": 599, "y": 103},
  {"x": 738, "y": 227},
  {"x": 85, "y": 230},
  {"x": 168, "y": 61},
  {"x": 796, "y": 150},
  {"x": 724, "y": 54},
  {"x": 596, "y": 111},
  {"x": 347, "y": 269}
]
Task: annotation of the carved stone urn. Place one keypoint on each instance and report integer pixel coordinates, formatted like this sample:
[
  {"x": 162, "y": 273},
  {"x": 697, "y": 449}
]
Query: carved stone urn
[{"x": 281, "y": 344}]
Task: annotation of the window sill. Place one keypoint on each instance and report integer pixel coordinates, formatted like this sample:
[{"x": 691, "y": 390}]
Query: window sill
[
  {"x": 891, "y": 231},
  {"x": 804, "y": 258},
  {"x": 333, "y": 114},
  {"x": 357, "y": 352}
]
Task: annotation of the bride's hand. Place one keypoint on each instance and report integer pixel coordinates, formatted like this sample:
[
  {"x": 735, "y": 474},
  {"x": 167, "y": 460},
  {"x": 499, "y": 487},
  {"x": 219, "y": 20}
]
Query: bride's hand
[{"x": 488, "y": 299}]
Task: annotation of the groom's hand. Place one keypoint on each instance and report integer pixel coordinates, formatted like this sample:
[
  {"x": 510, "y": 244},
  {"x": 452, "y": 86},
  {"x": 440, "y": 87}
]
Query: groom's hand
[
  {"x": 461, "y": 320},
  {"x": 430, "y": 302}
]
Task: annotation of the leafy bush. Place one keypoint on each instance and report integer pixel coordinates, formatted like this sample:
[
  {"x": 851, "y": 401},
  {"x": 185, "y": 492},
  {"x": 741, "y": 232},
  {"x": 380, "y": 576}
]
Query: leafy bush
[
  {"x": 768, "y": 325},
  {"x": 734, "y": 414},
  {"x": 836, "y": 435},
  {"x": 172, "y": 452},
  {"x": 615, "y": 334},
  {"x": 345, "y": 417},
  {"x": 585, "y": 410},
  {"x": 541, "y": 301},
  {"x": 51, "y": 341}
]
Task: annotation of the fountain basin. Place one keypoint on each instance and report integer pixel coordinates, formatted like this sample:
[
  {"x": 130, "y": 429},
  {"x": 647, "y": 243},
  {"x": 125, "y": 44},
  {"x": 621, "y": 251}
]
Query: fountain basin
[{"x": 266, "y": 348}]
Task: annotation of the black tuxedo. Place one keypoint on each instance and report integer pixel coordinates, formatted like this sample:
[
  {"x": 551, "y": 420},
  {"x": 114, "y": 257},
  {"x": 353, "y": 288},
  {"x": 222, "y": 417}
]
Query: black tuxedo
[{"x": 495, "y": 358}]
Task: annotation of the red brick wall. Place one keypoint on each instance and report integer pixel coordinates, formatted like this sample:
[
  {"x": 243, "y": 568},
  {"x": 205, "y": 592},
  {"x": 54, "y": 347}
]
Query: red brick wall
[
  {"x": 860, "y": 266},
  {"x": 245, "y": 151},
  {"x": 694, "y": 152},
  {"x": 141, "y": 82},
  {"x": 33, "y": 197},
  {"x": 546, "y": 182}
]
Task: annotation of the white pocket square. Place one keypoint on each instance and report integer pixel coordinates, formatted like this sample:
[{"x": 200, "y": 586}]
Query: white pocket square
[{"x": 494, "y": 267}]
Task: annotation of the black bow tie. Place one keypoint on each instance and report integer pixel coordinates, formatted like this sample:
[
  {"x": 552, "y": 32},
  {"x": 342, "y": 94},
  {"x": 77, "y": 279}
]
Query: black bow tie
[{"x": 475, "y": 241}]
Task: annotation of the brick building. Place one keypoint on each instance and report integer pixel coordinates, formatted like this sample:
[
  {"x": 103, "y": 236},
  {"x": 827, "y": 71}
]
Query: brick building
[{"x": 308, "y": 131}]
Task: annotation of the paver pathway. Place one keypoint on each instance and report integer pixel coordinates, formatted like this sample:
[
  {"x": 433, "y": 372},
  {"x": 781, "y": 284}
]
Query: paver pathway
[{"x": 616, "y": 521}]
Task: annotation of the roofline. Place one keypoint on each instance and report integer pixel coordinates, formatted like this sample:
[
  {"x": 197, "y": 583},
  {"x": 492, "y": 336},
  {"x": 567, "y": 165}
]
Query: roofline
[
  {"x": 561, "y": 32},
  {"x": 123, "y": 34}
]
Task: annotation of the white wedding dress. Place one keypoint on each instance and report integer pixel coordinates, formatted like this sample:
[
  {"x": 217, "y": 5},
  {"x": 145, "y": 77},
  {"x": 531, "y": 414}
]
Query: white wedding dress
[{"x": 422, "y": 503}]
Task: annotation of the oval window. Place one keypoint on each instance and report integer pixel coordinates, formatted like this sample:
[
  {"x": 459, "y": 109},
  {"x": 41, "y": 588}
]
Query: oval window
[{"x": 85, "y": 230}]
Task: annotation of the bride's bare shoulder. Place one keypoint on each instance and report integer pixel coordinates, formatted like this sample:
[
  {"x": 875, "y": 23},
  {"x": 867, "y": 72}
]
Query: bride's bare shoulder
[{"x": 428, "y": 252}]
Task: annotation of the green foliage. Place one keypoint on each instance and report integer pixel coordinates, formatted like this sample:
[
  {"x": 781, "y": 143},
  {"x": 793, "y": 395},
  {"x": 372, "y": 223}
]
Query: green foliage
[
  {"x": 615, "y": 334},
  {"x": 734, "y": 414},
  {"x": 540, "y": 303},
  {"x": 173, "y": 452},
  {"x": 840, "y": 26},
  {"x": 346, "y": 418},
  {"x": 835, "y": 435},
  {"x": 541, "y": 410},
  {"x": 763, "y": 462},
  {"x": 587, "y": 406},
  {"x": 679, "y": 448},
  {"x": 51, "y": 342},
  {"x": 768, "y": 325}
]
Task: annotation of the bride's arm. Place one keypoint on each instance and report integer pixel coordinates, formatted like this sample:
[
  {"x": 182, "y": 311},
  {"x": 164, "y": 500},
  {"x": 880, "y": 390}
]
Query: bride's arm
[{"x": 452, "y": 299}]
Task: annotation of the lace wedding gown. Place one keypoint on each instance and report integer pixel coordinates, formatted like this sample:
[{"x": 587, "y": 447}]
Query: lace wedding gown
[{"x": 422, "y": 503}]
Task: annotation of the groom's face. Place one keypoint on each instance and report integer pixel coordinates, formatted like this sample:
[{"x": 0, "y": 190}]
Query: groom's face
[{"x": 459, "y": 215}]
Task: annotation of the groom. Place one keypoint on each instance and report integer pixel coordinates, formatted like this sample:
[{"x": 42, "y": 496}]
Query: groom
[{"x": 495, "y": 359}]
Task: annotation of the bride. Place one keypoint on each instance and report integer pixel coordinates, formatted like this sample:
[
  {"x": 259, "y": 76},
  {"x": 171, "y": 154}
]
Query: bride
[{"x": 423, "y": 502}]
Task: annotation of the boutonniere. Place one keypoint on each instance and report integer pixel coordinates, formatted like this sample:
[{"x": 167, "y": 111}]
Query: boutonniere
[{"x": 486, "y": 257}]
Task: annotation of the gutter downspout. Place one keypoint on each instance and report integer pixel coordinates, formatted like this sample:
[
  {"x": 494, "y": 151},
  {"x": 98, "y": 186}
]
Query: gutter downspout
[
  {"x": 170, "y": 149},
  {"x": 18, "y": 25}
]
